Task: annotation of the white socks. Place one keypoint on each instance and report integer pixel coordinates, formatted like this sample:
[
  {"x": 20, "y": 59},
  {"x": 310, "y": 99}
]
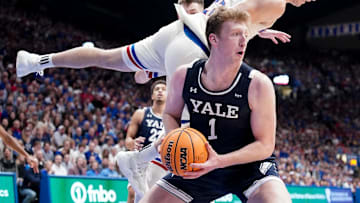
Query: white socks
[{"x": 46, "y": 61}]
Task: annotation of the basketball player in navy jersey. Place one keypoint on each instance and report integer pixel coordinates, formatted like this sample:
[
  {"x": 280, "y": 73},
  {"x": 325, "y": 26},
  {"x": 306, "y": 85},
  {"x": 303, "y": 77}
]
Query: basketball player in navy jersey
[
  {"x": 145, "y": 127},
  {"x": 233, "y": 105},
  {"x": 13, "y": 144}
]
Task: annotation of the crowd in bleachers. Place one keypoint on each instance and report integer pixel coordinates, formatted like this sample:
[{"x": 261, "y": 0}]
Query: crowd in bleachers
[{"x": 75, "y": 121}]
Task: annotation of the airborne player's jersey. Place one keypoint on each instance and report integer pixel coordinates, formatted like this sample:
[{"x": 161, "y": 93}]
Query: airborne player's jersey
[
  {"x": 222, "y": 116},
  {"x": 151, "y": 126}
]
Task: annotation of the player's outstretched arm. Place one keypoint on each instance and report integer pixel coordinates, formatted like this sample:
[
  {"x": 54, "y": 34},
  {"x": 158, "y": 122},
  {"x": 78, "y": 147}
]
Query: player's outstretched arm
[{"x": 13, "y": 144}]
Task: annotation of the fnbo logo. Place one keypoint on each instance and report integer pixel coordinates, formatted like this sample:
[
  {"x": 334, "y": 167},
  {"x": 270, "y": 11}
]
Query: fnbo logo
[
  {"x": 79, "y": 194},
  {"x": 4, "y": 193}
]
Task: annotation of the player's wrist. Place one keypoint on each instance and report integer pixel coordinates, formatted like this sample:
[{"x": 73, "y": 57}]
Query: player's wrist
[
  {"x": 261, "y": 31},
  {"x": 220, "y": 161}
]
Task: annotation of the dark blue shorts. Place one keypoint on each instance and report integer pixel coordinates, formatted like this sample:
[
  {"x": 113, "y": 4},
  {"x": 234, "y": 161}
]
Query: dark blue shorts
[{"x": 238, "y": 180}]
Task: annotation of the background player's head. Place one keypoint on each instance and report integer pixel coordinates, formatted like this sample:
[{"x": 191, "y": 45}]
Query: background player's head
[
  {"x": 158, "y": 91},
  {"x": 192, "y": 6},
  {"x": 298, "y": 3},
  {"x": 227, "y": 30}
]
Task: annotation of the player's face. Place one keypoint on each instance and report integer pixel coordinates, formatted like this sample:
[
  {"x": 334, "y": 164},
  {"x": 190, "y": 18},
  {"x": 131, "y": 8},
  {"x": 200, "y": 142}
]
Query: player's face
[
  {"x": 159, "y": 92},
  {"x": 193, "y": 7},
  {"x": 233, "y": 39}
]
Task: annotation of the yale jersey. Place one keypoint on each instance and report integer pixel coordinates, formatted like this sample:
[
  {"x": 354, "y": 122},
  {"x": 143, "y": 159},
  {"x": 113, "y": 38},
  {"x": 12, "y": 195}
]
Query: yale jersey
[
  {"x": 151, "y": 126},
  {"x": 222, "y": 116}
]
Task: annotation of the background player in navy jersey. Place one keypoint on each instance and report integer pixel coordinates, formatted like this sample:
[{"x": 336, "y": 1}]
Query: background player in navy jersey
[
  {"x": 13, "y": 144},
  {"x": 145, "y": 127},
  {"x": 233, "y": 105}
]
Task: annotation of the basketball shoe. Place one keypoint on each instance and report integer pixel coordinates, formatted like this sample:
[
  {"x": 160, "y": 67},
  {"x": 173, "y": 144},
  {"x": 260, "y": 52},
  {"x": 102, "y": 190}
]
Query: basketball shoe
[
  {"x": 134, "y": 169},
  {"x": 27, "y": 63}
]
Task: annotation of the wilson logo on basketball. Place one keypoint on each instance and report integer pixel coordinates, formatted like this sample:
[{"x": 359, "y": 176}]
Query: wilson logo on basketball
[
  {"x": 182, "y": 147},
  {"x": 183, "y": 158},
  {"x": 168, "y": 156}
]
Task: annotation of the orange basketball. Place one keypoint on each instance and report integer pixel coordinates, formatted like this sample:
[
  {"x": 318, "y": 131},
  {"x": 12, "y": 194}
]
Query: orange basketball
[{"x": 181, "y": 147}]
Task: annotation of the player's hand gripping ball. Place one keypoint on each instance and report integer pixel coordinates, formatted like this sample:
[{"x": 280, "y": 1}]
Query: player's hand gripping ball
[{"x": 181, "y": 147}]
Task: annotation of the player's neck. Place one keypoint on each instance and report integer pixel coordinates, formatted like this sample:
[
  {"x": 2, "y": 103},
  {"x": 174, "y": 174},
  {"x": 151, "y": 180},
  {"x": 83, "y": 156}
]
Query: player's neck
[
  {"x": 158, "y": 107},
  {"x": 219, "y": 76}
]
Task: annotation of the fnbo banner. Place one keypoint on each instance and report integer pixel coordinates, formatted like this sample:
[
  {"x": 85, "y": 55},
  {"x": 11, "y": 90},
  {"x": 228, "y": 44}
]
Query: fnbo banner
[
  {"x": 8, "y": 191},
  {"x": 320, "y": 194},
  {"x": 85, "y": 190}
]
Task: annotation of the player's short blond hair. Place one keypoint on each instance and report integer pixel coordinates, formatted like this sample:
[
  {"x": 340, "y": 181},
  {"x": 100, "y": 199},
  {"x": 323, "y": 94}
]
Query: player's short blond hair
[{"x": 220, "y": 16}]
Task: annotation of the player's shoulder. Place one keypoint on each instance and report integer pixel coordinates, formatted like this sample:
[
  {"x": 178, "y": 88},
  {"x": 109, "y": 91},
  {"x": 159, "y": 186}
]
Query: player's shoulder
[
  {"x": 259, "y": 80},
  {"x": 139, "y": 113},
  {"x": 182, "y": 70}
]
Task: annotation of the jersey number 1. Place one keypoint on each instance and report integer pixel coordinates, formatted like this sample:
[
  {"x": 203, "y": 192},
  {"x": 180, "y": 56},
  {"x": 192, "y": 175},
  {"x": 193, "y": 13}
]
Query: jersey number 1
[{"x": 212, "y": 129}]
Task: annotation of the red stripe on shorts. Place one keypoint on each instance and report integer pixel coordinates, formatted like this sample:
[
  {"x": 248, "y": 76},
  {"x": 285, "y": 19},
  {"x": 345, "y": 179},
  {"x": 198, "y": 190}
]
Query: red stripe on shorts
[
  {"x": 131, "y": 58},
  {"x": 159, "y": 164}
]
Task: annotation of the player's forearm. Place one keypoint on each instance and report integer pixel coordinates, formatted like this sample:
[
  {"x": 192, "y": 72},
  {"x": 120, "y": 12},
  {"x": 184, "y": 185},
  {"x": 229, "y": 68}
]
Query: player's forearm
[
  {"x": 12, "y": 142},
  {"x": 255, "y": 151},
  {"x": 170, "y": 122}
]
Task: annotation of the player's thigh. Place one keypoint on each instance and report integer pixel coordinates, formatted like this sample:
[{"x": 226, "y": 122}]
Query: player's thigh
[
  {"x": 154, "y": 173},
  {"x": 159, "y": 195},
  {"x": 272, "y": 191},
  {"x": 115, "y": 59}
]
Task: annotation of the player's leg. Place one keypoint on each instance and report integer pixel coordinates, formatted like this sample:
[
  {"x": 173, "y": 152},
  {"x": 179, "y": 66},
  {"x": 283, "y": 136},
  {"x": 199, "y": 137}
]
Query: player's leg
[
  {"x": 80, "y": 57},
  {"x": 141, "y": 56},
  {"x": 159, "y": 195},
  {"x": 131, "y": 194},
  {"x": 272, "y": 191},
  {"x": 133, "y": 170},
  {"x": 155, "y": 172}
]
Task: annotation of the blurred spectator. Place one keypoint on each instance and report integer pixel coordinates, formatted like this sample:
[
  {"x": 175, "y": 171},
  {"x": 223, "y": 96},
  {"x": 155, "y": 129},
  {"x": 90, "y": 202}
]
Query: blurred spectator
[
  {"x": 79, "y": 168},
  {"x": 58, "y": 168},
  {"x": 31, "y": 185},
  {"x": 109, "y": 171},
  {"x": 94, "y": 169},
  {"x": 48, "y": 167},
  {"x": 67, "y": 163},
  {"x": 60, "y": 136},
  {"x": 40, "y": 157},
  {"x": 80, "y": 151},
  {"x": 7, "y": 163},
  {"x": 112, "y": 155},
  {"x": 47, "y": 152},
  {"x": 91, "y": 152}
]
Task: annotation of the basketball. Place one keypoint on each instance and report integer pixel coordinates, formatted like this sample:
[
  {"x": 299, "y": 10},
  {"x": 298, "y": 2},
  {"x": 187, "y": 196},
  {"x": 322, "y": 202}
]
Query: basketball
[{"x": 181, "y": 147}]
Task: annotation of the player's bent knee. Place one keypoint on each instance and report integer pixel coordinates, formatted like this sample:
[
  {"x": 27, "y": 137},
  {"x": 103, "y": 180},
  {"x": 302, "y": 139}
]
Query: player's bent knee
[
  {"x": 271, "y": 192},
  {"x": 159, "y": 195}
]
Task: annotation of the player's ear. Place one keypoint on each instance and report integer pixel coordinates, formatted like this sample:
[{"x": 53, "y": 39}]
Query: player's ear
[{"x": 212, "y": 39}]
